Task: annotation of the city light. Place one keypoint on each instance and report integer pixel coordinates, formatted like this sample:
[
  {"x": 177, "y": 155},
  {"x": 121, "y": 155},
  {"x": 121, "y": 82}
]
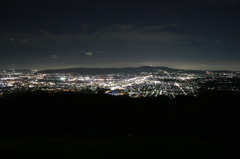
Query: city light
[{"x": 135, "y": 85}]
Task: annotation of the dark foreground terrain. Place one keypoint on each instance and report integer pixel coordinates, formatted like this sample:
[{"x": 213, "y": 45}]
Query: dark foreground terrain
[{"x": 70, "y": 125}]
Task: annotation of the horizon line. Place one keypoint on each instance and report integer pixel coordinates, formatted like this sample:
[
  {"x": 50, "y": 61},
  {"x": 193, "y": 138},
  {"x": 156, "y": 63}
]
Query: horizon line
[{"x": 66, "y": 68}]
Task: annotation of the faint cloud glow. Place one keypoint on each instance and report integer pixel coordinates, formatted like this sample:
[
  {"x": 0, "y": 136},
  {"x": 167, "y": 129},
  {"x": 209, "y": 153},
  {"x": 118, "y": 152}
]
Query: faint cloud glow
[
  {"x": 89, "y": 53},
  {"x": 24, "y": 41},
  {"x": 12, "y": 39},
  {"x": 55, "y": 57}
]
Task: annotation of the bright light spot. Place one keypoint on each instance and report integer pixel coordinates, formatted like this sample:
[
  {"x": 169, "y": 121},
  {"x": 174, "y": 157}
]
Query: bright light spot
[{"x": 62, "y": 78}]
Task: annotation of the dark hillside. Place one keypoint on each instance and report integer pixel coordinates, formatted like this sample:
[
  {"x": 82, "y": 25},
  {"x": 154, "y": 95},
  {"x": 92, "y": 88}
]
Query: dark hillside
[
  {"x": 63, "y": 125},
  {"x": 212, "y": 116}
]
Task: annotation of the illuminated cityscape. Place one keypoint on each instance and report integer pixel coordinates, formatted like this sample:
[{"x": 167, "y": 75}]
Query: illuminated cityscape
[
  {"x": 119, "y": 79},
  {"x": 147, "y": 82}
]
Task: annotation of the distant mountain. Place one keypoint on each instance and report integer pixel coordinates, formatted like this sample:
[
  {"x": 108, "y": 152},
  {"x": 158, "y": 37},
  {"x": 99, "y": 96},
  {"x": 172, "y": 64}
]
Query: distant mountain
[
  {"x": 110, "y": 70},
  {"x": 92, "y": 71}
]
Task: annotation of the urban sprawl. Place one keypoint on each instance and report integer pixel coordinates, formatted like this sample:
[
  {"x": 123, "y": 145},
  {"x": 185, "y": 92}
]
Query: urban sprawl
[{"x": 135, "y": 85}]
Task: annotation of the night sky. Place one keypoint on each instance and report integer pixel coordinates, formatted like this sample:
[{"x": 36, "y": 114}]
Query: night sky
[{"x": 194, "y": 34}]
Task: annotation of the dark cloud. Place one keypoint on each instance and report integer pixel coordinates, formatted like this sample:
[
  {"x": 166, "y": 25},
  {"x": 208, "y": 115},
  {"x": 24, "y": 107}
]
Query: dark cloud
[
  {"x": 229, "y": 1},
  {"x": 172, "y": 33},
  {"x": 108, "y": 34}
]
